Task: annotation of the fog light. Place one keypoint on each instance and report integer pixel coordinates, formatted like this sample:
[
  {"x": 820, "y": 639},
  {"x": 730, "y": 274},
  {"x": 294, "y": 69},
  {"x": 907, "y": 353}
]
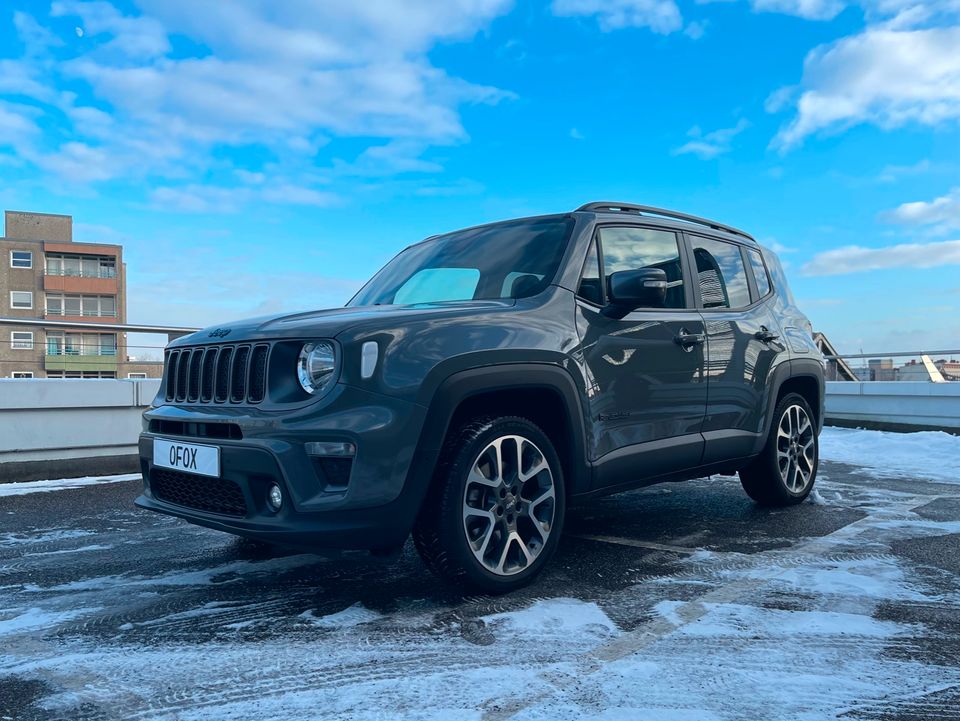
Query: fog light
[{"x": 275, "y": 497}]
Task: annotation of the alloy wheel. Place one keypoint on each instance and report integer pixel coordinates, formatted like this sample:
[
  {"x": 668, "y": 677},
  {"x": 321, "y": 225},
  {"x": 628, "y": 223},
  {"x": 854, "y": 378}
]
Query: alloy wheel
[
  {"x": 796, "y": 448},
  {"x": 509, "y": 504}
]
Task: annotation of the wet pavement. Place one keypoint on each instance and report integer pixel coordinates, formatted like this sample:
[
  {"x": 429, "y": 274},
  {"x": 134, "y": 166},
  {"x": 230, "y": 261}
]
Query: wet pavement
[{"x": 681, "y": 601}]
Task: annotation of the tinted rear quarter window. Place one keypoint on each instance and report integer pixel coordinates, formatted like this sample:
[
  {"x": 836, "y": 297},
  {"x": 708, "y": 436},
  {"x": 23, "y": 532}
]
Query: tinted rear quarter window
[{"x": 759, "y": 272}]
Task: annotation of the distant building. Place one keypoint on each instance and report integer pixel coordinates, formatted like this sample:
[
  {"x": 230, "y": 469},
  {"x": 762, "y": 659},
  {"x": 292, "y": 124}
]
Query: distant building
[
  {"x": 881, "y": 369},
  {"x": 45, "y": 275}
]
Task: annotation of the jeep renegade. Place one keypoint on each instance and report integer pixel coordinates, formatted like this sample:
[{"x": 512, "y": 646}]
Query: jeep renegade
[{"x": 485, "y": 378}]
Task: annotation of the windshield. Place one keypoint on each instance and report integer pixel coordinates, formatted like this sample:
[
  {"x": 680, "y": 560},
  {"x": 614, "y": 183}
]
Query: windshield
[{"x": 507, "y": 260}]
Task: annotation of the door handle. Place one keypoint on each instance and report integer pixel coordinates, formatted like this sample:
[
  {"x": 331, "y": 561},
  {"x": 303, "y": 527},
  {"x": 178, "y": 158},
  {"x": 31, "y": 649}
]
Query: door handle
[
  {"x": 688, "y": 340},
  {"x": 765, "y": 334}
]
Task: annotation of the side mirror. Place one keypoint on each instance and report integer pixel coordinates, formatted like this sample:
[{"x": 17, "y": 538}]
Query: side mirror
[{"x": 645, "y": 287}]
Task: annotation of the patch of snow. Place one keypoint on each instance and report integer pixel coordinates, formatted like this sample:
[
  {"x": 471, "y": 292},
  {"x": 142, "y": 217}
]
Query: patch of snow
[
  {"x": 347, "y": 618},
  {"x": 38, "y": 619},
  {"x": 733, "y": 619},
  {"x": 16, "y": 539},
  {"x": 21, "y": 489},
  {"x": 871, "y": 578},
  {"x": 82, "y": 549},
  {"x": 225, "y": 573},
  {"x": 556, "y": 616},
  {"x": 927, "y": 454}
]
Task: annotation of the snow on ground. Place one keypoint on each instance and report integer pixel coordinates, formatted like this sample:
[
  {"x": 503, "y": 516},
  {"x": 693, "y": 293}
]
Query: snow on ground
[
  {"x": 20, "y": 489},
  {"x": 927, "y": 454},
  {"x": 799, "y": 632}
]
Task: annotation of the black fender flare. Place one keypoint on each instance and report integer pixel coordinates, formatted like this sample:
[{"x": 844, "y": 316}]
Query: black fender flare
[
  {"x": 462, "y": 385},
  {"x": 789, "y": 370}
]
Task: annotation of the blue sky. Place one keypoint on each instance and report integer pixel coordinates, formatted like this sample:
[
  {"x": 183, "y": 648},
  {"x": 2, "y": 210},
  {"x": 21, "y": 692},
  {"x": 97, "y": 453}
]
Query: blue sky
[{"x": 256, "y": 157}]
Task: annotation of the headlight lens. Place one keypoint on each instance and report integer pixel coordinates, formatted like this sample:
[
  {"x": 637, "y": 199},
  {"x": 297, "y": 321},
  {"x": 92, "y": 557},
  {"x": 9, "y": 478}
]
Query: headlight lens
[{"x": 316, "y": 366}]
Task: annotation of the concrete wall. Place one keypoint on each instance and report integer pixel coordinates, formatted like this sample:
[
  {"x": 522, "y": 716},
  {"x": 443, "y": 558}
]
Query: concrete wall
[
  {"x": 68, "y": 428},
  {"x": 894, "y": 405}
]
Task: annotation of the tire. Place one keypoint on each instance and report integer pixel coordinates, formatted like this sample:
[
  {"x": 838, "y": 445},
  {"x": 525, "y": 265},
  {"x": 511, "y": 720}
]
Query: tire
[
  {"x": 786, "y": 469},
  {"x": 489, "y": 530}
]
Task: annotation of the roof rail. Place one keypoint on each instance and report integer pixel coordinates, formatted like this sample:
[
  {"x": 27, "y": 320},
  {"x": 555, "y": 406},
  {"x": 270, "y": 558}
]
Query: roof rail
[{"x": 650, "y": 210}]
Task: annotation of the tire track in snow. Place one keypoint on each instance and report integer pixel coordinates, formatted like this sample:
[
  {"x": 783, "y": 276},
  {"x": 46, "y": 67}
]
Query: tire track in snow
[{"x": 689, "y": 612}]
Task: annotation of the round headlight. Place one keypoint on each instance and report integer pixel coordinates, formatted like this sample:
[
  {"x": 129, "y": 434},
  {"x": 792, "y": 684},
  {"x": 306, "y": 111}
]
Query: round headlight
[{"x": 316, "y": 366}]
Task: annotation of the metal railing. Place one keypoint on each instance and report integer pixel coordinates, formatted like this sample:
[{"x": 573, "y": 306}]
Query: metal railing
[
  {"x": 84, "y": 314},
  {"x": 65, "y": 273},
  {"x": 937, "y": 366}
]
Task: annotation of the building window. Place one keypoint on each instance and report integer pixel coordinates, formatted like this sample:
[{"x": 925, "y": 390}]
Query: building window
[
  {"x": 21, "y": 299},
  {"x": 21, "y": 259},
  {"x": 21, "y": 340},
  {"x": 91, "y": 306},
  {"x": 22, "y": 374},
  {"x": 82, "y": 266},
  {"x": 63, "y": 343},
  {"x": 136, "y": 375},
  {"x": 81, "y": 374}
]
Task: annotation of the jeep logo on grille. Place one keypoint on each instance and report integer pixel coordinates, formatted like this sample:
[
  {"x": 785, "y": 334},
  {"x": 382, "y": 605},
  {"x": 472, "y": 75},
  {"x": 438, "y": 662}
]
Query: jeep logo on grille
[{"x": 219, "y": 333}]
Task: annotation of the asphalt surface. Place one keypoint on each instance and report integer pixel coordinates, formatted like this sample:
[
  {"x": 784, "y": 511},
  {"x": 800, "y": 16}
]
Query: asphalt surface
[{"x": 682, "y": 601}]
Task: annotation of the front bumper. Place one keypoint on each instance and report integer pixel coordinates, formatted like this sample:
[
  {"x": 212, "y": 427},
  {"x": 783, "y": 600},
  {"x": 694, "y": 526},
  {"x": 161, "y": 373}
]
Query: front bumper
[{"x": 377, "y": 506}]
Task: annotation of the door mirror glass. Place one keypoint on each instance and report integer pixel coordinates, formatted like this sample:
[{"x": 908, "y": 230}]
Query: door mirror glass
[{"x": 644, "y": 287}]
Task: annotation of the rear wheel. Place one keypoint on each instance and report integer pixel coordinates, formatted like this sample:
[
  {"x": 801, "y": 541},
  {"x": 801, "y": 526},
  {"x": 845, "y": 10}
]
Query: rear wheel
[
  {"x": 785, "y": 470},
  {"x": 495, "y": 510}
]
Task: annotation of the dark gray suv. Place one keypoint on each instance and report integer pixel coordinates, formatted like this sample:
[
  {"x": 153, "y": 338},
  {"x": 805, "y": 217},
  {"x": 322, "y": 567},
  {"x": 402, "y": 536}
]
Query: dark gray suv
[{"x": 485, "y": 378}]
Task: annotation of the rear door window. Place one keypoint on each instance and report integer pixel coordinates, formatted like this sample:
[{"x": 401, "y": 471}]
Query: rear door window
[{"x": 720, "y": 273}]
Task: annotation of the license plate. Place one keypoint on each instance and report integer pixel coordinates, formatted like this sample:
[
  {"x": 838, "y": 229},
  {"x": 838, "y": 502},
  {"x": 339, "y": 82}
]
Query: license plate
[{"x": 189, "y": 457}]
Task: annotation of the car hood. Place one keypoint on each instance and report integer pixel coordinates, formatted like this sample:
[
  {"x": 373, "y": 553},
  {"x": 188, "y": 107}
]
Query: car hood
[{"x": 331, "y": 322}]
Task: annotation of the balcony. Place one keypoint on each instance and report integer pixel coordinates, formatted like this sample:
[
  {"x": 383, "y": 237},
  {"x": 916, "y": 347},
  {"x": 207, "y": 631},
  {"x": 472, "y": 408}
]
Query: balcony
[
  {"x": 97, "y": 283},
  {"x": 76, "y": 362}
]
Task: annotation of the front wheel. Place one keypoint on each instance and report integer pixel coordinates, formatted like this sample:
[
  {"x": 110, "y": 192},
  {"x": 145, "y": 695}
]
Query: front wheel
[
  {"x": 784, "y": 472},
  {"x": 495, "y": 510}
]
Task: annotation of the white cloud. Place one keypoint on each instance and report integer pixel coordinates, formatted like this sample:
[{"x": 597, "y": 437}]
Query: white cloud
[
  {"x": 131, "y": 37},
  {"x": 943, "y": 213},
  {"x": 282, "y": 76},
  {"x": 696, "y": 30},
  {"x": 856, "y": 259},
  {"x": 576, "y": 134},
  {"x": 195, "y": 198},
  {"x": 712, "y": 144},
  {"x": 885, "y": 77},
  {"x": 895, "y": 13},
  {"x": 893, "y": 173},
  {"x": 809, "y": 9},
  {"x": 661, "y": 16}
]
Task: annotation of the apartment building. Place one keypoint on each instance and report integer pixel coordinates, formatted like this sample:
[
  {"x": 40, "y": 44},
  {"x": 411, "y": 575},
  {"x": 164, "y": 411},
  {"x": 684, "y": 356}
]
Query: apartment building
[{"x": 44, "y": 274}]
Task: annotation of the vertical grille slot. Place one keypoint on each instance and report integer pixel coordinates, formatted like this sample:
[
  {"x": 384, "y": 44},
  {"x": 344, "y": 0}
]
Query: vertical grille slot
[
  {"x": 171, "y": 380},
  {"x": 238, "y": 382},
  {"x": 258, "y": 373},
  {"x": 222, "y": 386},
  {"x": 193, "y": 387},
  {"x": 207, "y": 376},
  {"x": 183, "y": 365}
]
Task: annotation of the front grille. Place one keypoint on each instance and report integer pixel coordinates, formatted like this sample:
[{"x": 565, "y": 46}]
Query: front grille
[
  {"x": 221, "y": 374},
  {"x": 213, "y": 495}
]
